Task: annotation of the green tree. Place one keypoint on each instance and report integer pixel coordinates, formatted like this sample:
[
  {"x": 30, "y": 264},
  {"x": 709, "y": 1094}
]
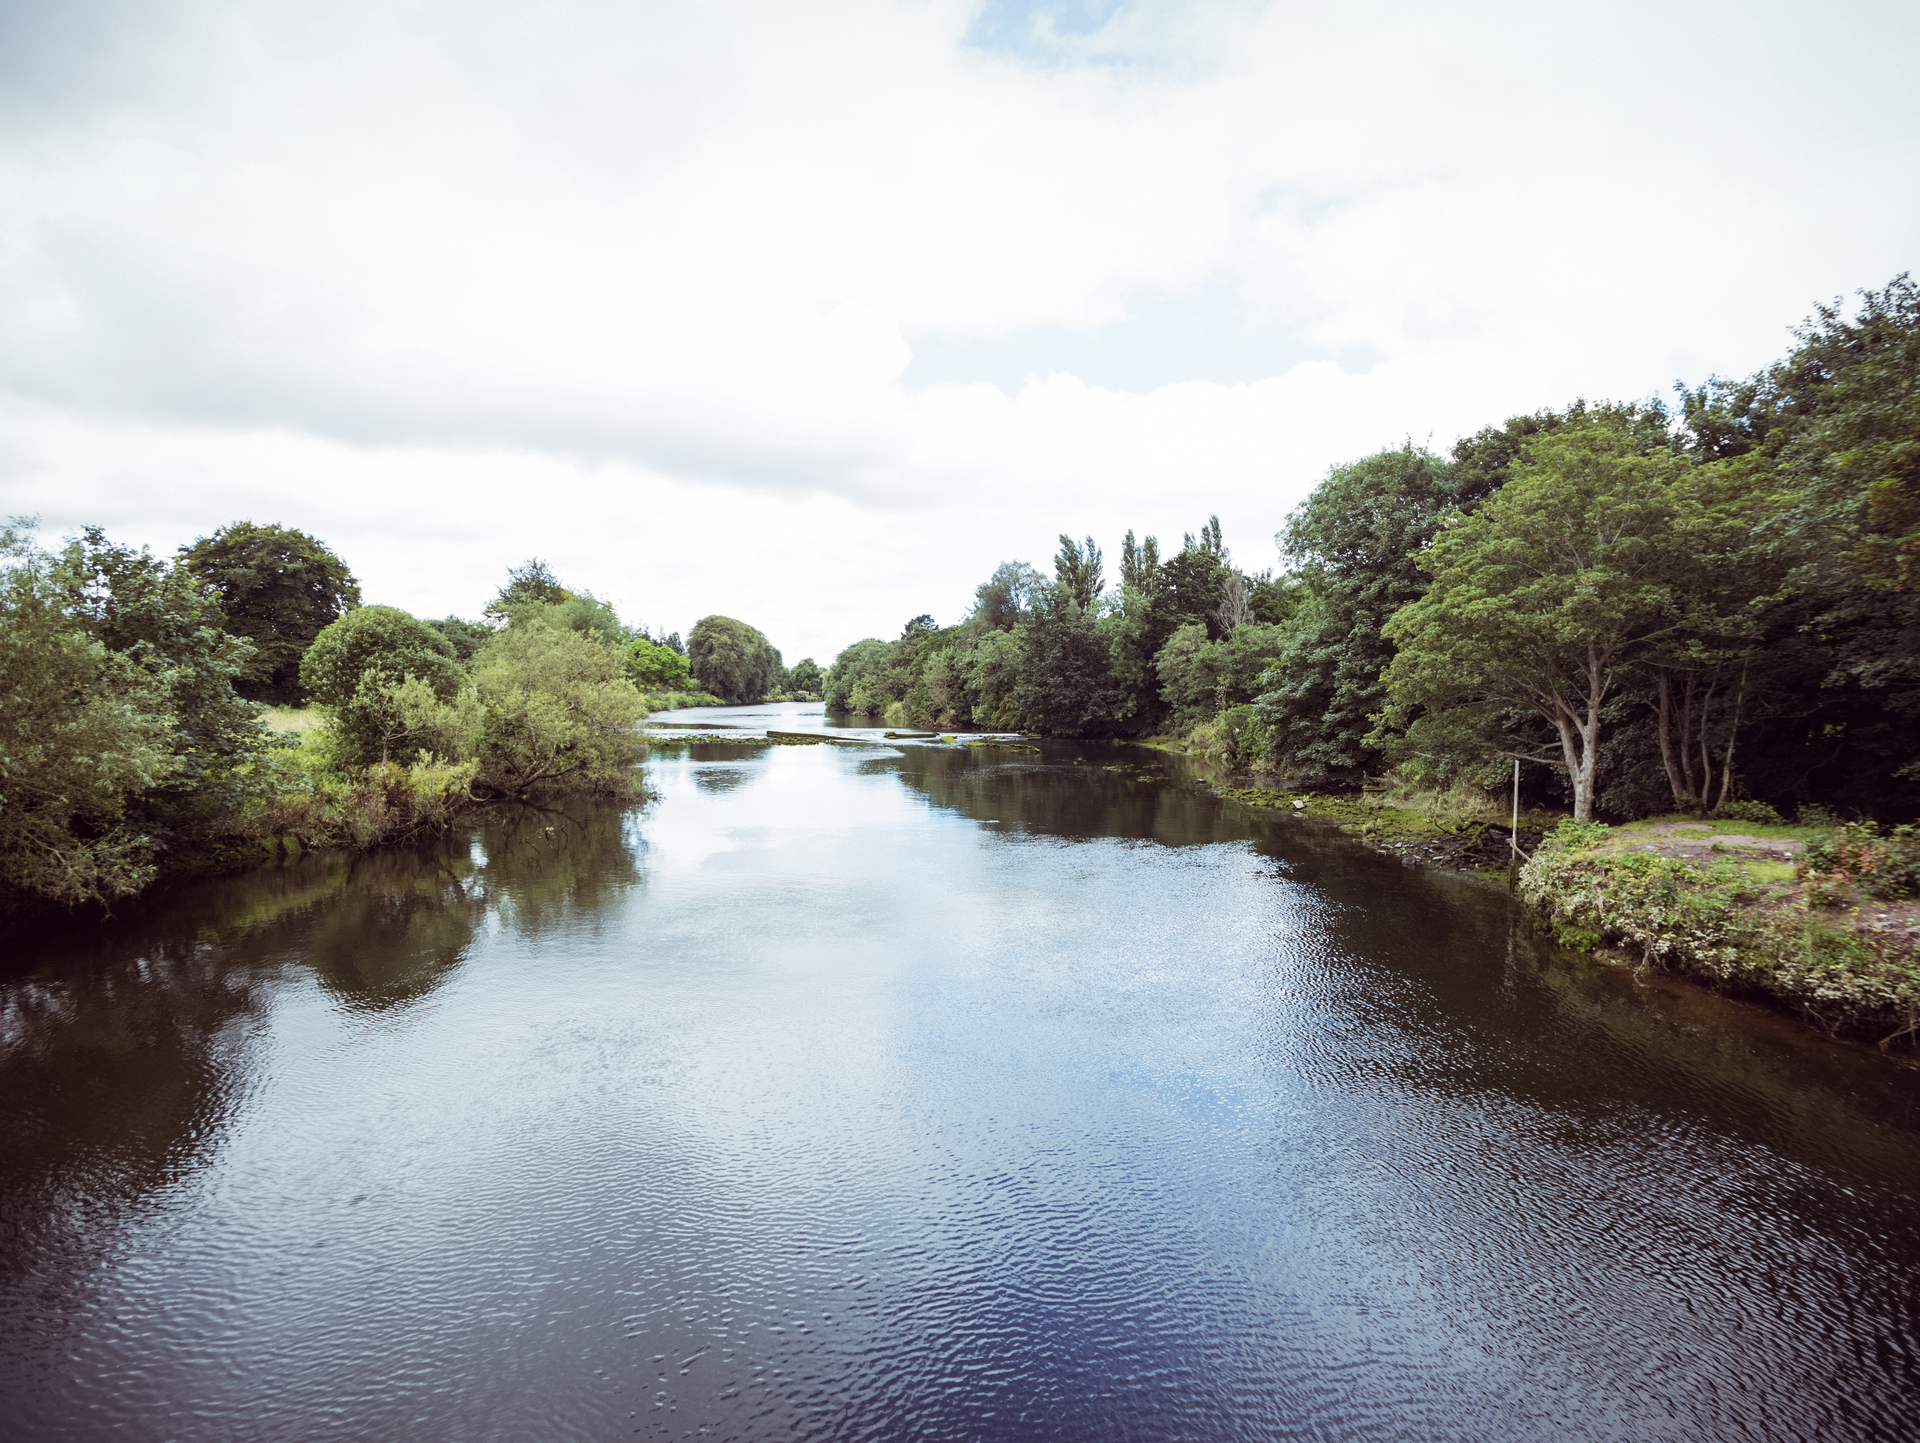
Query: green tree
[
  {"x": 992, "y": 671},
  {"x": 1831, "y": 433},
  {"x": 854, "y": 668},
  {"x": 1352, "y": 545},
  {"x": 1004, "y": 599},
  {"x": 1065, "y": 688},
  {"x": 531, "y": 582},
  {"x": 1200, "y": 679},
  {"x": 1140, "y": 566},
  {"x": 278, "y": 588},
  {"x": 353, "y": 666},
  {"x": 465, "y": 637},
  {"x": 653, "y": 667},
  {"x": 1543, "y": 598},
  {"x": 170, "y": 624},
  {"x": 1078, "y": 570},
  {"x": 579, "y": 611},
  {"x": 83, "y": 732},
  {"x": 732, "y": 660},
  {"x": 807, "y": 676},
  {"x": 560, "y": 713}
]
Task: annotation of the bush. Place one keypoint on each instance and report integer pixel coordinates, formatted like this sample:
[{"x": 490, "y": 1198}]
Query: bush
[
  {"x": 1240, "y": 738},
  {"x": 560, "y": 713},
  {"x": 353, "y": 668},
  {"x": 1750, "y": 812},
  {"x": 652, "y": 667},
  {"x": 1885, "y": 866},
  {"x": 1717, "y": 923}
]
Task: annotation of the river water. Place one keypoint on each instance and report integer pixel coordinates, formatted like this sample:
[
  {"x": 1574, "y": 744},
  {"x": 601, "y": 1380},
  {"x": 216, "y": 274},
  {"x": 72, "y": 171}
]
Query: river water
[{"x": 923, "y": 1093}]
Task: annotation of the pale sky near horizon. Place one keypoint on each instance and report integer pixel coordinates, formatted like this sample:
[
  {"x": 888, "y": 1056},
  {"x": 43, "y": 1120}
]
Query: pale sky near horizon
[{"x": 812, "y": 314}]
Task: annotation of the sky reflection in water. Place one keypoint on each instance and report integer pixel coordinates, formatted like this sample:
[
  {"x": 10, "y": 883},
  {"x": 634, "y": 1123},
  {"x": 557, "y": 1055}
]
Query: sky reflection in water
[{"x": 909, "y": 1092}]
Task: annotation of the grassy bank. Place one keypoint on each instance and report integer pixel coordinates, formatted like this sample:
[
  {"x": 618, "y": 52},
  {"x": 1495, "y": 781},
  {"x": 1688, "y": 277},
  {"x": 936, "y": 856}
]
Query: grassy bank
[{"x": 1822, "y": 918}]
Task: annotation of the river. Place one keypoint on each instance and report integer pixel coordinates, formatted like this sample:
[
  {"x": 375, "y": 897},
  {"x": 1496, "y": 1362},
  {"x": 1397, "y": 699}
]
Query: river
[{"x": 932, "y": 1093}]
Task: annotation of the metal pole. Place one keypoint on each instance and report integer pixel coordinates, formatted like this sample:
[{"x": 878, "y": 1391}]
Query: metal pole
[{"x": 1516, "y": 808}]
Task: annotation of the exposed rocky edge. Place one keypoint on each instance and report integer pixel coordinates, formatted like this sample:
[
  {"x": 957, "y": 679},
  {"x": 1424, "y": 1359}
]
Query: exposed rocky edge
[{"x": 1729, "y": 918}]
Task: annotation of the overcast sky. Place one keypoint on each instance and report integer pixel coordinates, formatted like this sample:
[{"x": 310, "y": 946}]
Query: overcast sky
[{"x": 810, "y": 314}]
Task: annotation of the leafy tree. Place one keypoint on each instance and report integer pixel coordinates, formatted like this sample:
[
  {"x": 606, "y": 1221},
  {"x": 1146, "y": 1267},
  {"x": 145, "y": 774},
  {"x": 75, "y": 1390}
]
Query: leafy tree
[
  {"x": 1193, "y": 583},
  {"x": 466, "y": 637},
  {"x": 653, "y": 667},
  {"x": 579, "y": 611},
  {"x": 1140, "y": 566},
  {"x": 1830, "y": 432},
  {"x": 1543, "y": 597},
  {"x": 83, "y": 732},
  {"x": 993, "y": 669},
  {"x": 1078, "y": 570},
  {"x": 1483, "y": 461},
  {"x": 1064, "y": 686},
  {"x": 171, "y": 625},
  {"x": 1200, "y": 678},
  {"x": 353, "y": 665},
  {"x": 278, "y": 589},
  {"x": 732, "y": 660},
  {"x": 855, "y": 665},
  {"x": 1352, "y": 544},
  {"x": 806, "y": 676},
  {"x": 1274, "y": 600},
  {"x": 1210, "y": 541},
  {"x": 531, "y": 582},
  {"x": 1007, "y": 597},
  {"x": 560, "y": 713}
]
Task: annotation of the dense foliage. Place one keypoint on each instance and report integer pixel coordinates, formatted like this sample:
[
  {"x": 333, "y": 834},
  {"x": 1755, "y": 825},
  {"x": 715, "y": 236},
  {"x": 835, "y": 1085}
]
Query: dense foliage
[
  {"x": 126, "y": 745},
  {"x": 120, "y": 730},
  {"x": 278, "y": 588},
  {"x": 356, "y": 668},
  {"x": 733, "y": 660},
  {"x": 1653, "y": 609}
]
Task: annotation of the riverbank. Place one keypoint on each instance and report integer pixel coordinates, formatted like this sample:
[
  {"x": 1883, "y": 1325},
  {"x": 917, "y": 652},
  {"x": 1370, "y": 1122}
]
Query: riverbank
[{"x": 1821, "y": 920}]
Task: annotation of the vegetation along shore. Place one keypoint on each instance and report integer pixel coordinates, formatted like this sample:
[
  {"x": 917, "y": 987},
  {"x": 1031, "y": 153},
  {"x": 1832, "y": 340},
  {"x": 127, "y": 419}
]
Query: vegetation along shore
[
  {"x": 1707, "y": 612},
  {"x": 238, "y": 700},
  {"x": 1688, "y": 633}
]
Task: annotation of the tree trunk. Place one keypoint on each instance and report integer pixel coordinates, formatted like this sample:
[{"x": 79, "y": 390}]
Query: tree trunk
[
  {"x": 1726, "y": 763},
  {"x": 1688, "y": 792},
  {"x": 1580, "y": 739},
  {"x": 1706, "y": 756},
  {"x": 1665, "y": 681}
]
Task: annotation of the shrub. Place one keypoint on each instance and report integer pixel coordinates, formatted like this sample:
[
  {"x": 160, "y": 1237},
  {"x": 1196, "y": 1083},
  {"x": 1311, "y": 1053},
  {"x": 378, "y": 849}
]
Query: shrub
[
  {"x": 1240, "y": 738},
  {"x": 560, "y": 713},
  {"x": 652, "y": 667},
  {"x": 1886, "y": 866},
  {"x": 1750, "y": 812},
  {"x": 354, "y": 665}
]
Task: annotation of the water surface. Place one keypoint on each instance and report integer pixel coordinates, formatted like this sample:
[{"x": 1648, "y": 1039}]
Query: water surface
[{"x": 932, "y": 1093}]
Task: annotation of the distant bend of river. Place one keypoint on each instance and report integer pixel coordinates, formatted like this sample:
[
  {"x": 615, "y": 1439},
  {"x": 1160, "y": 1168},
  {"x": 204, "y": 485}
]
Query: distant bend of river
[{"x": 931, "y": 1093}]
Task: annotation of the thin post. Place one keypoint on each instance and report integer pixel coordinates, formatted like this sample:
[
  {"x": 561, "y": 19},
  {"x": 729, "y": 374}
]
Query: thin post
[
  {"x": 1515, "y": 841},
  {"x": 1513, "y": 858}
]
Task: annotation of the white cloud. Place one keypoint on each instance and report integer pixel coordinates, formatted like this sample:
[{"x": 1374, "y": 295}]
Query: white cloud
[{"x": 640, "y": 287}]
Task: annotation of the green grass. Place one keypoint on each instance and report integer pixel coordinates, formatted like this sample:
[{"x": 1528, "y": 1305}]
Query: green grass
[
  {"x": 1722, "y": 827},
  {"x": 305, "y": 720}
]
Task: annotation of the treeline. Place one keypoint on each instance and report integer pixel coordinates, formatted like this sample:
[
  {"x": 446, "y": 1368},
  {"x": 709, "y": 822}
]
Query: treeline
[
  {"x": 134, "y": 704},
  {"x": 1668, "y": 607}
]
